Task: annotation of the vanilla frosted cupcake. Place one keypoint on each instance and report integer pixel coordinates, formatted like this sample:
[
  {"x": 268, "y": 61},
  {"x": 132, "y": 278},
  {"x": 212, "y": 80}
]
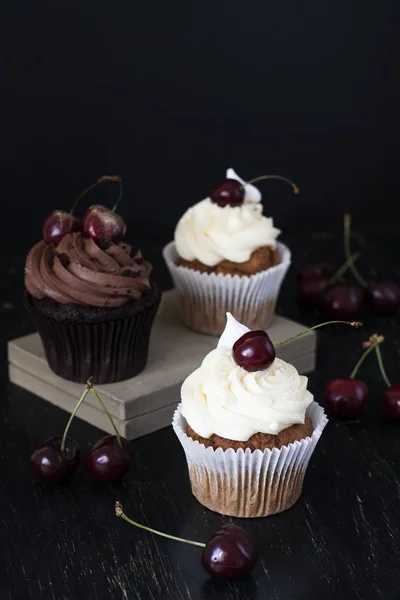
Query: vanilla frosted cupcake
[
  {"x": 225, "y": 257},
  {"x": 248, "y": 433}
]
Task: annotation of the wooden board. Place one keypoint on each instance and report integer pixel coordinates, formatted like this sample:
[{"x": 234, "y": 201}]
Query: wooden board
[{"x": 146, "y": 402}]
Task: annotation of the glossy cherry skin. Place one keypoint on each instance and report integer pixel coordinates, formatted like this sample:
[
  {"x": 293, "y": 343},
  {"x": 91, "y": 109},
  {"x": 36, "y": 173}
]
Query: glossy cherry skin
[
  {"x": 342, "y": 301},
  {"x": 254, "y": 351},
  {"x": 384, "y": 297},
  {"x": 229, "y": 554},
  {"x": 346, "y": 397},
  {"x": 390, "y": 402},
  {"x": 228, "y": 192},
  {"x": 312, "y": 290},
  {"x": 99, "y": 223},
  {"x": 48, "y": 465},
  {"x": 71, "y": 452},
  {"x": 106, "y": 461},
  {"x": 313, "y": 270},
  {"x": 57, "y": 225}
]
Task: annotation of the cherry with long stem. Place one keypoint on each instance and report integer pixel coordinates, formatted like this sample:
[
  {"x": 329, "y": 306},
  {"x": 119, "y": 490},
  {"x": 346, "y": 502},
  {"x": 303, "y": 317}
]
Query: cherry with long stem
[
  {"x": 347, "y": 396},
  {"x": 229, "y": 554},
  {"x": 312, "y": 288},
  {"x": 384, "y": 296}
]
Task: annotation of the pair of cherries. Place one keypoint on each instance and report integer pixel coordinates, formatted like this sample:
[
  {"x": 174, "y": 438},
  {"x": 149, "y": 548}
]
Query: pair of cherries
[
  {"x": 346, "y": 397},
  {"x": 342, "y": 300},
  {"x": 98, "y": 223},
  {"x": 58, "y": 457}
]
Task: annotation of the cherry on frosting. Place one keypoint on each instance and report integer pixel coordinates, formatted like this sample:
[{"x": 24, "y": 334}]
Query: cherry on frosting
[
  {"x": 57, "y": 225},
  {"x": 254, "y": 351},
  {"x": 228, "y": 192}
]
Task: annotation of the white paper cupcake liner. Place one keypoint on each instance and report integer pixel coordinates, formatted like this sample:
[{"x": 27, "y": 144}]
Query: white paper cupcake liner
[
  {"x": 205, "y": 298},
  {"x": 242, "y": 483}
]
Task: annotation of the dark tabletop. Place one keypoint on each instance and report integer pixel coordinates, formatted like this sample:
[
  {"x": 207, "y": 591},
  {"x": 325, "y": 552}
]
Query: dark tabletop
[{"x": 341, "y": 540}]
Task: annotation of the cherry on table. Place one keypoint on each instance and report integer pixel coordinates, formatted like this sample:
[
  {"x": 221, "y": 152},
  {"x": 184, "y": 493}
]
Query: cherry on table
[
  {"x": 99, "y": 222},
  {"x": 316, "y": 269},
  {"x": 228, "y": 192},
  {"x": 384, "y": 297},
  {"x": 346, "y": 397},
  {"x": 254, "y": 351},
  {"x": 49, "y": 465},
  {"x": 311, "y": 290},
  {"x": 230, "y": 553},
  {"x": 71, "y": 453},
  {"x": 343, "y": 301},
  {"x": 108, "y": 462},
  {"x": 390, "y": 402},
  {"x": 57, "y": 225}
]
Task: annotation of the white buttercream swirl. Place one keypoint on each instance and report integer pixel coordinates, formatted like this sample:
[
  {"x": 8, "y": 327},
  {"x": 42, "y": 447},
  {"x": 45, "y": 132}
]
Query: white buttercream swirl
[
  {"x": 224, "y": 399},
  {"x": 211, "y": 233}
]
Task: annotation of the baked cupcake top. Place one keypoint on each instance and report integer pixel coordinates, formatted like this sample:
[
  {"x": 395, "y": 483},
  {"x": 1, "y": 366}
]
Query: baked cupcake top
[
  {"x": 223, "y": 398},
  {"x": 80, "y": 271},
  {"x": 211, "y": 233}
]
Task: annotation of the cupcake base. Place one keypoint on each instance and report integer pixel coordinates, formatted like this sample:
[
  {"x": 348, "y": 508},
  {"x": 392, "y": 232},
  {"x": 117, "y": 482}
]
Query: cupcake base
[
  {"x": 205, "y": 298},
  {"x": 109, "y": 345},
  {"x": 249, "y": 484}
]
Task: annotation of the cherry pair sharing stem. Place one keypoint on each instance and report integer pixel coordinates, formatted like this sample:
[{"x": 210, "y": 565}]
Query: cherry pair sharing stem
[
  {"x": 383, "y": 296},
  {"x": 229, "y": 554},
  {"x": 99, "y": 222},
  {"x": 58, "y": 458}
]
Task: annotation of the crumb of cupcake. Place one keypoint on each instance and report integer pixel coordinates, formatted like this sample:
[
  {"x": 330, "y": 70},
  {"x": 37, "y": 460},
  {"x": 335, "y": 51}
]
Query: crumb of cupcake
[
  {"x": 64, "y": 259},
  {"x": 261, "y": 259},
  {"x": 258, "y": 441},
  {"x": 105, "y": 243}
]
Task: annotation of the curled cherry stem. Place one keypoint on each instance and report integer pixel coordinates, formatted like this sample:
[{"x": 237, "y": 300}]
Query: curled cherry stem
[
  {"x": 262, "y": 177},
  {"x": 355, "y": 324},
  {"x": 119, "y": 511},
  {"x": 347, "y": 250},
  {"x": 381, "y": 365},
  {"x": 82, "y": 398},
  {"x": 106, "y": 412},
  {"x": 103, "y": 179},
  {"x": 345, "y": 267}
]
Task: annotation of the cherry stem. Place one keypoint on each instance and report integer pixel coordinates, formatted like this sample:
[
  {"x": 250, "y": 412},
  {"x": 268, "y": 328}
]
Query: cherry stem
[
  {"x": 262, "y": 177},
  {"x": 345, "y": 267},
  {"x": 120, "y": 513},
  {"x": 347, "y": 251},
  {"x": 381, "y": 366},
  {"x": 82, "y": 398},
  {"x": 104, "y": 178},
  {"x": 105, "y": 410},
  {"x": 363, "y": 357},
  {"x": 355, "y": 324}
]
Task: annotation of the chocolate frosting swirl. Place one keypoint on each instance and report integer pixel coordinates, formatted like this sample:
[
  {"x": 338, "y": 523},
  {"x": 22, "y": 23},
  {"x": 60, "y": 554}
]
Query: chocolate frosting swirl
[{"x": 78, "y": 271}]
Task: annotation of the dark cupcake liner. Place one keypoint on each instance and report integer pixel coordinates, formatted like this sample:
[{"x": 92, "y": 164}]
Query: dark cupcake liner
[{"x": 108, "y": 351}]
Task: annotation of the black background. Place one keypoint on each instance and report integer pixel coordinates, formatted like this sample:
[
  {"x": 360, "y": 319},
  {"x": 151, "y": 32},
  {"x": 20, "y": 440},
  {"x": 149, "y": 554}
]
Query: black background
[{"x": 170, "y": 94}]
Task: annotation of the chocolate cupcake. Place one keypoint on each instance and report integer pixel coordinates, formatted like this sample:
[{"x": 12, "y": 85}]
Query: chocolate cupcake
[
  {"x": 225, "y": 258},
  {"x": 93, "y": 303},
  {"x": 248, "y": 434}
]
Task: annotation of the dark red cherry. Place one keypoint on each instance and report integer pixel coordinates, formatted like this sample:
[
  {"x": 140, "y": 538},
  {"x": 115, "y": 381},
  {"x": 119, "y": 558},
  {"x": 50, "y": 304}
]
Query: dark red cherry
[
  {"x": 107, "y": 461},
  {"x": 384, "y": 297},
  {"x": 71, "y": 452},
  {"x": 57, "y": 225},
  {"x": 254, "y": 351},
  {"x": 390, "y": 402},
  {"x": 313, "y": 270},
  {"x": 311, "y": 290},
  {"x": 99, "y": 222},
  {"x": 346, "y": 397},
  {"x": 228, "y": 192},
  {"x": 48, "y": 465},
  {"x": 342, "y": 301},
  {"x": 229, "y": 554}
]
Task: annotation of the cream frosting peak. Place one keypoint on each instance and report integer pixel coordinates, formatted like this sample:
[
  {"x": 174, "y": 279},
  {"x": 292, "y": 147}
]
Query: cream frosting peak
[
  {"x": 211, "y": 233},
  {"x": 222, "y": 398}
]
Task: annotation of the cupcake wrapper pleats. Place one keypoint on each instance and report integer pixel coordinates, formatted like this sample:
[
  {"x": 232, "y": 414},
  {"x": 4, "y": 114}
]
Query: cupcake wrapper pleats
[
  {"x": 205, "y": 298},
  {"x": 244, "y": 483}
]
